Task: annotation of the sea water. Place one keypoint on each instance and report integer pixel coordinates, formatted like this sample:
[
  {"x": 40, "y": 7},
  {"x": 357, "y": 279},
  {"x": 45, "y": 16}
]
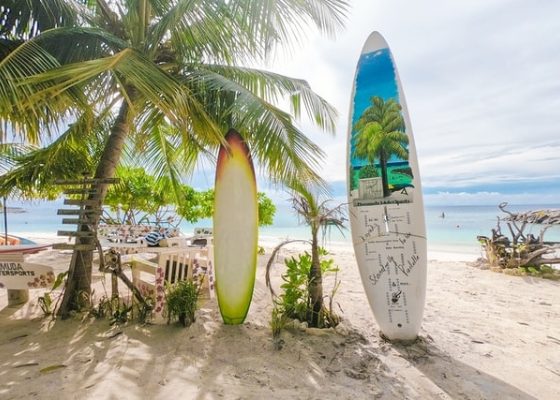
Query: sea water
[{"x": 449, "y": 228}]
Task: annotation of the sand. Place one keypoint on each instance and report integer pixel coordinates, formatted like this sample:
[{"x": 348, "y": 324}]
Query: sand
[{"x": 485, "y": 335}]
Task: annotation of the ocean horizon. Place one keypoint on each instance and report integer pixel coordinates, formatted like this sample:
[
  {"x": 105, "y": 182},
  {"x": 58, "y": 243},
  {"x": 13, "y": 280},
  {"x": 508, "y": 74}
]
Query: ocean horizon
[{"x": 455, "y": 232}]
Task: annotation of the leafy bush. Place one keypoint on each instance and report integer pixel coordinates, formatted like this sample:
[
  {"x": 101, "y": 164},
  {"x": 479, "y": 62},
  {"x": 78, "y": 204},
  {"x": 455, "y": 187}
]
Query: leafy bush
[
  {"x": 294, "y": 302},
  {"x": 369, "y": 171},
  {"x": 181, "y": 302}
]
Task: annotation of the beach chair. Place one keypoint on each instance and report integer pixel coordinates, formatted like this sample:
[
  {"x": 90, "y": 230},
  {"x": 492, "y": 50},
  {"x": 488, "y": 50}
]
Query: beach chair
[{"x": 172, "y": 265}]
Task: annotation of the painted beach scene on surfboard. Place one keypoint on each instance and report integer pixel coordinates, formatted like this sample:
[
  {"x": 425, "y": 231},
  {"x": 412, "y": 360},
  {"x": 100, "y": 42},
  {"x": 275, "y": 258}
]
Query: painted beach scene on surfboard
[{"x": 384, "y": 193}]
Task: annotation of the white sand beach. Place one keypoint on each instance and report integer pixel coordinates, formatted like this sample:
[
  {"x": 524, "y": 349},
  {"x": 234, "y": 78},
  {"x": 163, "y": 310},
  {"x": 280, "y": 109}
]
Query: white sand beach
[{"x": 485, "y": 335}]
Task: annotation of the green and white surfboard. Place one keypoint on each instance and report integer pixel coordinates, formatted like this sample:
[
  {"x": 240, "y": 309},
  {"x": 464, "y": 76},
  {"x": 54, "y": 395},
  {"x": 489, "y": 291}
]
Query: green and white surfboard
[{"x": 235, "y": 229}]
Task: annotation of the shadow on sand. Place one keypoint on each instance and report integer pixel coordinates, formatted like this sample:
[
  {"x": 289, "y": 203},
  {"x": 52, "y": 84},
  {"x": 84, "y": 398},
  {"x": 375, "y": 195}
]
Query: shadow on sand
[{"x": 457, "y": 379}]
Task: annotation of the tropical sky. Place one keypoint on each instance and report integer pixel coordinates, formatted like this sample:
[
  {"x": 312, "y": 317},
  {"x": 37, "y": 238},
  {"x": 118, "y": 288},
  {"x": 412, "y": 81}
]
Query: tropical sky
[{"x": 482, "y": 83}]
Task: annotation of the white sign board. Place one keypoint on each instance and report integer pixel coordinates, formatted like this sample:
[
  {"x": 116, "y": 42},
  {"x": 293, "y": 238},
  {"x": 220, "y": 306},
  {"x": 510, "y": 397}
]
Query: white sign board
[{"x": 23, "y": 275}]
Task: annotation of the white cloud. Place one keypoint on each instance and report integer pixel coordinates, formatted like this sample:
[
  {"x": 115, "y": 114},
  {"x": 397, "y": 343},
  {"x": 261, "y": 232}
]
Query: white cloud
[
  {"x": 487, "y": 198},
  {"x": 480, "y": 77}
]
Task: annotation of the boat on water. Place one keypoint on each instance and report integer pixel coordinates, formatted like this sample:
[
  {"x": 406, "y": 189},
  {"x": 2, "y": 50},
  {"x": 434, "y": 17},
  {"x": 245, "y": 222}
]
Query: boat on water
[
  {"x": 9, "y": 240},
  {"x": 10, "y": 244}
]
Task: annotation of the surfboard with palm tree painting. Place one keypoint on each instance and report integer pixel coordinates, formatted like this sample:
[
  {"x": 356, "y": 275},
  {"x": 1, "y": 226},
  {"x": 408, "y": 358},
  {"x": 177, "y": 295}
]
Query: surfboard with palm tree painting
[{"x": 384, "y": 192}]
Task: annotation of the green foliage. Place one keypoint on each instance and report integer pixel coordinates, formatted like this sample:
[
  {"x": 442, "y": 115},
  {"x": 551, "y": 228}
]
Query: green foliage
[
  {"x": 368, "y": 171},
  {"x": 136, "y": 192},
  {"x": 181, "y": 302},
  {"x": 46, "y": 301},
  {"x": 267, "y": 209},
  {"x": 121, "y": 314},
  {"x": 117, "y": 309},
  {"x": 196, "y": 205},
  {"x": 140, "y": 193},
  {"x": 294, "y": 302},
  {"x": 541, "y": 271},
  {"x": 199, "y": 205}
]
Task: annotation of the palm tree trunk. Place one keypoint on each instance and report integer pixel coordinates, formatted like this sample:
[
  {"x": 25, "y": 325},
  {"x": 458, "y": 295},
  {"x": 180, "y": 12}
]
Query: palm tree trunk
[
  {"x": 384, "y": 175},
  {"x": 315, "y": 280},
  {"x": 78, "y": 286}
]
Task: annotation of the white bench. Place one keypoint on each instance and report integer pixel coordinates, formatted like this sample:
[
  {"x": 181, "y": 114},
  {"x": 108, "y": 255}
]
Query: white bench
[{"x": 18, "y": 276}]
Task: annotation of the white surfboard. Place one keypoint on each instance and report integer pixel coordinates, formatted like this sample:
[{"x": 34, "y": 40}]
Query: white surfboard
[
  {"x": 385, "y": 196},
  {"x": 235, "y": 229}
]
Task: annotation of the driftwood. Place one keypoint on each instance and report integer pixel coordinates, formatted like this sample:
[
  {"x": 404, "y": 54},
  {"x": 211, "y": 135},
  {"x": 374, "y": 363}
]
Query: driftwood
[{"x": 521, "y": 249}]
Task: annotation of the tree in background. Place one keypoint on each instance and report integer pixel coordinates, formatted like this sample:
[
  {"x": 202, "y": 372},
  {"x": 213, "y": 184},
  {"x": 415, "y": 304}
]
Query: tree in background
[
  {"x": 140, "y": 197},
  {"x": 164, "y": 75}
]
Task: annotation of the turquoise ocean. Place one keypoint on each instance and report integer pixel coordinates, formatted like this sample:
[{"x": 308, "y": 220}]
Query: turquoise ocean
[{"x": 456, "y": 232}]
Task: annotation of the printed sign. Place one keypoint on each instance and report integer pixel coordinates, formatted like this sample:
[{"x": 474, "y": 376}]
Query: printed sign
[{"x": 22, "y": 275}]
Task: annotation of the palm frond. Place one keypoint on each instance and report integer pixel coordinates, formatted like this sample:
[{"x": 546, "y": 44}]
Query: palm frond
[
  {"x": 73, "y": 153},
  {"x": 200, "y": 31},
  {"x": 16, "y": 113},
  {"x": 271, "y": 87},
  {"x": 283, "y": 21},
  {"x": 139, "y": 76},
  {"x": 24, "y": 19},
  {"x": 275, "y": 142}
]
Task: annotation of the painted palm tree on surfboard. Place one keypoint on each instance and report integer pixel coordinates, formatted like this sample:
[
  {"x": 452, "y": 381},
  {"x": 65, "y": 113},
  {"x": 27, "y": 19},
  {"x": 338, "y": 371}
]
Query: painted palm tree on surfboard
[{"x": 380, "y": 134}]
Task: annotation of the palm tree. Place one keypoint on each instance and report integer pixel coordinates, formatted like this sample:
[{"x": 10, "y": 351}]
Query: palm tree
[
  {"x": 163, "y": 74},
  {"x": 381, "y": 134},
  {"x": 320, "y": 217}
]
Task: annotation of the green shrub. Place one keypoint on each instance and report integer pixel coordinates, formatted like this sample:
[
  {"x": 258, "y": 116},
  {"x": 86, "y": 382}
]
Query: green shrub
[
  {"x": 369, "y": 171},
  {"x": 181, "y": 302},
  {"x": 294, "y": 302}
]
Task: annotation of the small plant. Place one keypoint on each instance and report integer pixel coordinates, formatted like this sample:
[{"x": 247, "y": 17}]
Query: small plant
[
  {"x": 369, "y": 171},
  {"x": 145, "y": 310},
  {"x": 122, "y": 312},
  {"x": 46, "y": 301},
  {"x": 277, "y": 321},
  {"x": 102, "y": 309},
  {"x": 181, "y": 302},
  {"x": 295, "y": 301},
  {"x": 118, "y": 310}
]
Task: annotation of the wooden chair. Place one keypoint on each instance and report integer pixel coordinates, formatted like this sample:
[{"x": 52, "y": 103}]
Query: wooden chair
[{"x": 172, "y": 265}]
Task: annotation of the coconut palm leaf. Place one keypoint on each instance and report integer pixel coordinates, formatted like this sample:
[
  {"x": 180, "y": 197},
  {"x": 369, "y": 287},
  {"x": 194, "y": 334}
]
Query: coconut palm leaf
[
  {"x": 199, "y": 30},
  {"x": 15, "y": 113},
  {"x": 24, "y": 19},
  {"x": 68, "y": 157},
  {"x": 131, "y": 68},
  {"x": 272, "y": 87},
  {"x": 284, "y": 21}
]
